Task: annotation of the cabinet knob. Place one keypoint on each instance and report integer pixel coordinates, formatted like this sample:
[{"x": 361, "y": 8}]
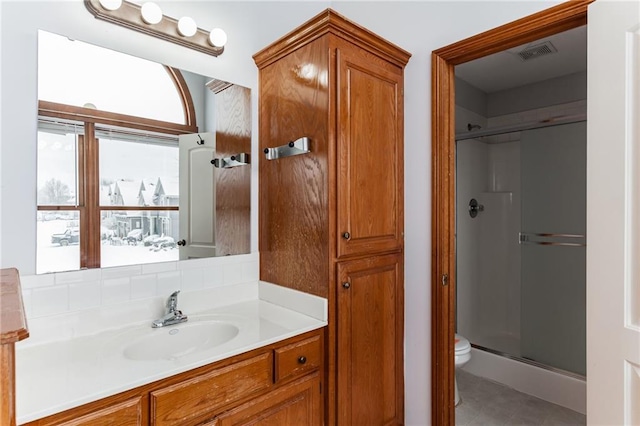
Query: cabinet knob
[
  {"x": 302, "y": 360},
  {"x": 346, "y": 235},
  {"x": 182, "y": 243},
  {"x": 346, "y": 285}
]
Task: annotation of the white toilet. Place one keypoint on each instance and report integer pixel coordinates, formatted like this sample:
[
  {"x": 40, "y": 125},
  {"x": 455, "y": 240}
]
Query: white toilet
[{"x": 463, "y": 355}]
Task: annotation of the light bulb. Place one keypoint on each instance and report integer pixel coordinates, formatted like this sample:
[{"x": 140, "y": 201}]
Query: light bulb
[
  {"x": 111, "y": 4},
  {"x": 151, "y": 13},
  {"x": 187, "y": 26},
  {"x": 217, "y": 37}
]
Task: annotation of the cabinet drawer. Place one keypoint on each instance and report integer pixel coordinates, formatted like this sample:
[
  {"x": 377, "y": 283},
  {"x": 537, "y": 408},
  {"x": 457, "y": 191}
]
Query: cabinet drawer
[
  {"x": 298, "y": 358},
  {"x": 189, "y": 401}
]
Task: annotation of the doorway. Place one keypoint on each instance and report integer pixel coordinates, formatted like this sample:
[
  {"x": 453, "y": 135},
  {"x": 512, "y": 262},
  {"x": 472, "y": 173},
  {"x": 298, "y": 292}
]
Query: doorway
[{"x": 560, "y": 18}]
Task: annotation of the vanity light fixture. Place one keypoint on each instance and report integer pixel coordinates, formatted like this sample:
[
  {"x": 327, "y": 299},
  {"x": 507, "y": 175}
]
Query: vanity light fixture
[{"x": 149, "y": 19}]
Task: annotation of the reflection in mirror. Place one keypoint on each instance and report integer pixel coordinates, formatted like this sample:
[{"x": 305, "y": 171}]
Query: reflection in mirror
[{"x": 110, "y": 187}]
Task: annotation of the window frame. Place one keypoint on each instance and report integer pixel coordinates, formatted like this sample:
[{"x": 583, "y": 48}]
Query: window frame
[{"x": 88, "y": 196}]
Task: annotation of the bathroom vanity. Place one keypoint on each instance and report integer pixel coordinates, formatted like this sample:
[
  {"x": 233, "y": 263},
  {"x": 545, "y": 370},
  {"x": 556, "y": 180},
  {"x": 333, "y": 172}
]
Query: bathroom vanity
[
  {"x": 244, "y": 362},
  {"x": 279, "y": 381}
]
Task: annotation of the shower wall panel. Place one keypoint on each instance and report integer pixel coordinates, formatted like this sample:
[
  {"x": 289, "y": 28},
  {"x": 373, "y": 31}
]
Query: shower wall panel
[
  {"x": 488, "y": 292},
  {"x": 471, "y": 181}
]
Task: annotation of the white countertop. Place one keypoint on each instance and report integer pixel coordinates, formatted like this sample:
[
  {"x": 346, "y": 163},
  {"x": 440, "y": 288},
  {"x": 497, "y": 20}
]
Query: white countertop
[{"x": 55, "y": 375}]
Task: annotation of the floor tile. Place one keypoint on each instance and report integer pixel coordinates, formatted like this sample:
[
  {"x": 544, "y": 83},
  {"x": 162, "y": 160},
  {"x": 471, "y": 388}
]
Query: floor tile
[{"x": 485, "y": 402}]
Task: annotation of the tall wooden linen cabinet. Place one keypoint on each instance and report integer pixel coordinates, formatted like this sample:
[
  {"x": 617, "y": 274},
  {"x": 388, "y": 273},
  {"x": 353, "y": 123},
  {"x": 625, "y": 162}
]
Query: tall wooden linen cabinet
[{"x": 331, "y": 219}]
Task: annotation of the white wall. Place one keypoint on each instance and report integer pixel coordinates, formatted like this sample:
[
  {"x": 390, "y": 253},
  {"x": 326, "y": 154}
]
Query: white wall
[
  {"x": 555, "y": 91},
  {"x": 419, "y": 27}
]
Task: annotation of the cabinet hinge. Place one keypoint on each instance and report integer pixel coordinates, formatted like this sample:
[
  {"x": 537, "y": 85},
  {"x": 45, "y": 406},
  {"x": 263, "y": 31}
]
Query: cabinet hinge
[{"x": 320, "y": 385}]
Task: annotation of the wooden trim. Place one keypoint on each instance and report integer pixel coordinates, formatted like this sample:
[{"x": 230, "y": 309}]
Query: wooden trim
[
  {"x": 13, "y": 323},
  {"x": 443, "y": 233},
  {"x": 90, "y": 115},
  {"x": 90, "y": 220},
  {"x": 7, "y": 384},
  {"x": 329, "y": 21},
  {"x": 13, "y": 328},
  {"x": 563, "y": 17},
  {"x": 44, "y": 207},
  {"x": 139, "y": 208},
  {"x": 182, "y": 87}
]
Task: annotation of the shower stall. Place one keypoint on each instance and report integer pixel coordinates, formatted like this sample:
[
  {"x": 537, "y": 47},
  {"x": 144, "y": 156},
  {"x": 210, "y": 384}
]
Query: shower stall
[{"x": 521, "y": 248}]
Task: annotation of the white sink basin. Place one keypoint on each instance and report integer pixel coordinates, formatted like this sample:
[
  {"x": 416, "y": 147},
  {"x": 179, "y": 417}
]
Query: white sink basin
[{"x": 172, "y": 342}]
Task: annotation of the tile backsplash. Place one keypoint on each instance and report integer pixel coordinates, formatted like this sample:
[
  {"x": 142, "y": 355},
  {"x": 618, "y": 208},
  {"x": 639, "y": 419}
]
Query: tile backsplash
[{"x": 63, "y": 292}]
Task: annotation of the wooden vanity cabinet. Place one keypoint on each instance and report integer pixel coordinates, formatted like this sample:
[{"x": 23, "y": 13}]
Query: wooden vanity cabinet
[
  {"x": 335, "y": 215},
  {"x": 240, "y": 390}
]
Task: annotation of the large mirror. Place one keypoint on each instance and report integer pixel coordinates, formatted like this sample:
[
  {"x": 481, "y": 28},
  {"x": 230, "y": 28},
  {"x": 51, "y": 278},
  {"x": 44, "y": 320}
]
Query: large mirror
[{"x": 138, "y": 162}]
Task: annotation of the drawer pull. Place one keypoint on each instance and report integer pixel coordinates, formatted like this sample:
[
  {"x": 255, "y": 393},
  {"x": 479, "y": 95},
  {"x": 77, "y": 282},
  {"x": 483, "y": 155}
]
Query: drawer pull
[{"x": 302, "y": 360}]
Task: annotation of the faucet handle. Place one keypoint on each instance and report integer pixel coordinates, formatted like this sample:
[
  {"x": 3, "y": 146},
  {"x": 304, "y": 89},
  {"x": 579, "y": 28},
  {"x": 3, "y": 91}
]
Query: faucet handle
[{"x": 172, "y": 302}]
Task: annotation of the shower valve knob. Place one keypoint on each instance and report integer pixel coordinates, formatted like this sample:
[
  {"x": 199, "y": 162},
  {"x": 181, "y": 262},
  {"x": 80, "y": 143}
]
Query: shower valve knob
[{"x": 475, "y": 208}]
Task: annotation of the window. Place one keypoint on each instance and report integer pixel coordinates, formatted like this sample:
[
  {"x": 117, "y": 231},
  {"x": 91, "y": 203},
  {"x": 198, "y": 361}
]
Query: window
[{"x": 107, "y": 178}]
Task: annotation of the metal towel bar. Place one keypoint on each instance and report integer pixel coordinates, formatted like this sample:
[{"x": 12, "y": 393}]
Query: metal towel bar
[{"x": 549, "y": 239}]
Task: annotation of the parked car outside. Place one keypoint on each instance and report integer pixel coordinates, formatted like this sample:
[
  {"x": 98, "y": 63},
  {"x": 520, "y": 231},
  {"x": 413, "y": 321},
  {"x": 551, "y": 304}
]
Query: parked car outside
[
  {"x": 134, "y": 236},
  {"x": 163, "y": 243},
  {"x": 69, "y": 236},
  {"x": 150, "y": 239},
  {"x": 106, "y": 233}
]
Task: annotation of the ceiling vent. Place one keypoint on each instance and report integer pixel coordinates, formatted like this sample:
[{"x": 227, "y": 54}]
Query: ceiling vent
[
  {"x": 536, "y": 51},
  {"x": 217, "y": 86}
]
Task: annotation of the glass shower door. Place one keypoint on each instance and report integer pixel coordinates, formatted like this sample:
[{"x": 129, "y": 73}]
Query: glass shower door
[{"x": 553, "y": 246}]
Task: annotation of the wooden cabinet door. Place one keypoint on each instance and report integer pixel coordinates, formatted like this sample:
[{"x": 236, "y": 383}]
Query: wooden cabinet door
[
  {"x": 370, "y": 153},
  {"x": 298, "y": 403},
  {"x": 370, "y": 341},
  {"x": 127, "y": 413}
]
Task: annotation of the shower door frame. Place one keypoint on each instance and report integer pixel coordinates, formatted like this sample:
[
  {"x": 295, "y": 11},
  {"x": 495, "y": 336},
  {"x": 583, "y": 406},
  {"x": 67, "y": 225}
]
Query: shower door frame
[{"x": 563, "y": 17}]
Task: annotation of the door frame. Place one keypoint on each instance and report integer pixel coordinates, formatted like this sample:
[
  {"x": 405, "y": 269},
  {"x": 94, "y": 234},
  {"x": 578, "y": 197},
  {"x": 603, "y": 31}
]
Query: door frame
[{"x": 562, "y": 17}]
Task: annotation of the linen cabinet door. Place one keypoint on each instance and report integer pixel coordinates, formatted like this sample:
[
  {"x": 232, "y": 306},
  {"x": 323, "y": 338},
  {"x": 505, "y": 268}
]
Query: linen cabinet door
[
  {"x": 370, "y": 341},
  {"x": 370, "y": 153}
]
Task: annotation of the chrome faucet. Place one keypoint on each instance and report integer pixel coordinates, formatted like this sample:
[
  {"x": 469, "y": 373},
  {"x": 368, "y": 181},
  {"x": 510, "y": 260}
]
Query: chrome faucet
[{"x": 173, "y": 315}]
